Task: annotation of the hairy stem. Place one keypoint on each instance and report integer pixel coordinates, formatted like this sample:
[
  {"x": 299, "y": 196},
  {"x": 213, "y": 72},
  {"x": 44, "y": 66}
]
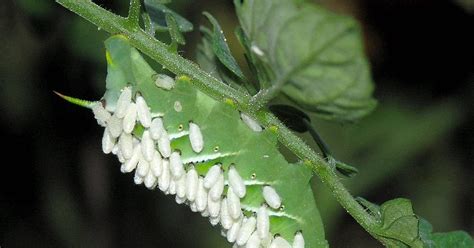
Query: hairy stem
[
  {"x": 134, "y": 13},
  {"x": 218, "y": 90}
]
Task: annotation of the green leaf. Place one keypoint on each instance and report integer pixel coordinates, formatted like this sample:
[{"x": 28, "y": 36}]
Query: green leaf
[
  {"x": 228, "y": 140},
  {"x": 399, "y": 224},
  {"x": 424, "y": 230},
  {"x": 158, "y": 11},
  {"x": 76, "y": 101},
  {"x": 221, "y": 49},
  {"x": 175, "y": 34},
  {"x": 458, "y": 239},
  {"x": 209, "y": 62},
  {"x": 318, "y": 54}
]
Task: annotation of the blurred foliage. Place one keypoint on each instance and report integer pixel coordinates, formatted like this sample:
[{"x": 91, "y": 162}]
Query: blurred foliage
[{"x": 418, "y": 143}]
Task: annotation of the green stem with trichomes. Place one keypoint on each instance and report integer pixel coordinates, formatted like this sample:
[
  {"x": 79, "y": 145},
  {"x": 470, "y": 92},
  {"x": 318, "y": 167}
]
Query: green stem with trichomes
[{"x": 155, "y": 49}]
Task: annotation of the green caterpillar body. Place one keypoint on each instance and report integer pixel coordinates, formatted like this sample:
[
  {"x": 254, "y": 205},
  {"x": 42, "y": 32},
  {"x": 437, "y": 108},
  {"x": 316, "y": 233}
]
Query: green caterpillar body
[{"x": 228, "y": 141}]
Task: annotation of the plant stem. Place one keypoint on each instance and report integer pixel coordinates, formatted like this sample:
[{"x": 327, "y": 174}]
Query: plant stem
[
  {"x": 134, "y": 13},
  {"x": 218, "y": 90}
]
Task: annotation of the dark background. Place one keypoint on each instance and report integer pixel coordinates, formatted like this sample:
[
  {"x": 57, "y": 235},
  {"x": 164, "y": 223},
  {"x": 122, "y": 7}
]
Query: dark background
[{"x": 58, "y": 190}]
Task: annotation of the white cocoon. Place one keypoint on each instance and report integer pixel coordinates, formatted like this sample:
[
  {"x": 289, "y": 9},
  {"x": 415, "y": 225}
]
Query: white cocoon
[
  {"x": 150, "y": 180},
  {"x": 100, "y": 113},
  {"x": 130, "y": 118},
  {"x": 280, "y": 242},
  {"x": 226, "y": 220},
  {"x": 236, "y": 182},
  {"x": 271, "y": 197},
  {"x": 263, "y": 222},
  {"x": 115, "y": 126},
  {"x": 176, "y": 165},
  {"x": 234, "y": 231},
  {"x": 156, "y": 128},
  {"x": 192, "y": 180},
  {"x": 216, "y": 191},
  {"x": 148, "y": 146},
  {"x": 108, "y": 142},
  {"x": 254, "y": 241},
  {"x": 143, "y": 111},
  {"x": 201, "y": 196},
  {"x": 122, "y": 103},
  {"x": 155, "y": 164},
  {"x": 246, "y": 230},
  {"x": 213, "y": 207},
  {"x": 212, "y": 175},
  {"x": 233, "y": 204},
  {"x": 131, "y": 164},
  {"x": 195, "y": 137},
  {"x": 164, "y": 179},
  {"x": 164, "y": 81},
  {"x": 143, "y": 167},
  {"x": 298, "y": 241},
  {"x": 164, "y": 145},
  {"x": 251, "y": 123},
  {"x": 126, "y": 145}
]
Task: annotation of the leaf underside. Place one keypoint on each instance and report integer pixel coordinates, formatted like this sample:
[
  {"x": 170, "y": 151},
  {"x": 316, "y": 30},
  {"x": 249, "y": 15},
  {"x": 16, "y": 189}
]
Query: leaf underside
[
  {"x": 317, "y": 53},
  {"x": 227, "y": 140}
]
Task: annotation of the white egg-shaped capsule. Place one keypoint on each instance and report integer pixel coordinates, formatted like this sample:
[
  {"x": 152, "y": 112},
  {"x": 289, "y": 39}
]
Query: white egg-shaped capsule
[
  {"x": 213, "y": 207},
  {"x": 119, "y": 155},
  {"x": 164, "y": 145},
  {"x": 254, "y": 241},
  {"x": 195, "y": 137},
  {"x": 100, "y": 113},
  {"x": 123, "y": 101},
  {"x": 143, "y": 167},
  {"x": 298, "y": 241},
  {"x": 108, "y": 142},
  {"x": 130, "y": 118},
  {"x": 156, "y": 128},
  {"x": 131, "y": 164},
  {"x": 143, "y": 112},
  {"x": 164, "y": 81},
  {"x": 126, "y": 145},
  {"x": 180, "y": 200},
  {"x": 263, "y": 222},
  {"x": 246, "y": 230},
  {"x": 148, "y": 146},
  {"x": 234, "y": 231},
  {"x": 181, "y": 186},
  {"x": 201, "y": 196},
  {"x": 280, "y": 242},
  {"x": 233, "y": 204},
  {"x": 192, "y": 181},
  {"x": 176, "y": 165},
  {"x": 137, "y": 179},
  {"x": 216, "y": 191},
  {"x": 164, "y": 179},
  {"x": 214, "y": 220},
  {"x": 236, "y": 182},
  {"x": 271, "y": 197},
  {"x": 150, "y": 180},
  {"x": 226, "y": 220},
  {"x": 114, "y": 125},
  {"x": 155, "y": 164},
  {"x": 251, "y": 123},
  {"x": 193, "y": 208},
  {"x": 212, "y": 175}
]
